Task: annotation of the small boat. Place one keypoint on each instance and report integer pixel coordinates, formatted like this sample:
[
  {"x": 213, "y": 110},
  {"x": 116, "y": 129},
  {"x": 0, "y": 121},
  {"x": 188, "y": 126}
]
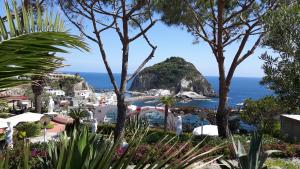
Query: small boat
[{"x": 240, "y": 104}]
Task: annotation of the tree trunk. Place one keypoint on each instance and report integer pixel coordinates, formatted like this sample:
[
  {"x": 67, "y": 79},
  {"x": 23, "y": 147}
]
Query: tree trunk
[
  {"x": 222, "y": 114},
  {"x": 122, "y": 107},
  {"x": 38, "y": 103},
  {"x": 166, "y": 118},
  {"x": 222, "y": 117},
  {"x": 37, "y": 89},
  {"x": 121, "y": 117}
]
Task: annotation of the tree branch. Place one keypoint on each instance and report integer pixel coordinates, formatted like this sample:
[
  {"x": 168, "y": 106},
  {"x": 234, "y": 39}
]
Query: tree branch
[
  {"x": 251, "y": 50},
  {"x": 103, "y": 54},
  {"x": 243, "y": 9},
  {"x": 136, "y": 7},
  {"x": 77, "y": 26},
  {"x": 143, "y": 31},
  {"x": 138, "y": 70},
  {"x": 238, "y": 61},
  {"x": 150, "y": 56}
]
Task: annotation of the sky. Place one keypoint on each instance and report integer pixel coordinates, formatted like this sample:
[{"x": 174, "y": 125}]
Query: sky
[{"x": 170, "y": 41}]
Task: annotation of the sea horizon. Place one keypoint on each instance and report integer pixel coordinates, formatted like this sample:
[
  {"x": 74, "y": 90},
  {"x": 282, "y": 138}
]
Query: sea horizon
[
  {"x": 241, "y": 88},
  {"x": 73, "y": 72}
]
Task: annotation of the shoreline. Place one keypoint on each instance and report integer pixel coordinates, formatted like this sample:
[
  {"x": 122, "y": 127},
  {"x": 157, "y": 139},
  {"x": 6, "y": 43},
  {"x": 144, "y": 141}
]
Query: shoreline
[{"x": 140, "y": 98}]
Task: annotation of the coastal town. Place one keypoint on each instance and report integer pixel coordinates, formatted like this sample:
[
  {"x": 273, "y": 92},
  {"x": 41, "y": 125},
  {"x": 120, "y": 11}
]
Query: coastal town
[
  {"x": 58, "y": 103},
  {"x": 149, "y": 84}
]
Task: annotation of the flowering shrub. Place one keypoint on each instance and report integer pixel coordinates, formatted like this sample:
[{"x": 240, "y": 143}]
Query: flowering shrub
[
  {"x": 31, "y": 129},
  {"x": 287, "y": 150}
]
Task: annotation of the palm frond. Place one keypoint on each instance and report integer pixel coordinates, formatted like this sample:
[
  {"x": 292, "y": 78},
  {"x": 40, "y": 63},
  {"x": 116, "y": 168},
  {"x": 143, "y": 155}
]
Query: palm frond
[{"x": 29, "y": 47}]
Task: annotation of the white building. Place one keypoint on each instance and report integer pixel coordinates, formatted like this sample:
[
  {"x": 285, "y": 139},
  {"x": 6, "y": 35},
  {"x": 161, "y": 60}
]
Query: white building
[
  {"x": 56, "y": 76},
  {"x": 107, "y": 98},
  {"x": 158, "y": 92},
  {"x": 55, "y": 92},
  {"x": 83, "y": 93}
]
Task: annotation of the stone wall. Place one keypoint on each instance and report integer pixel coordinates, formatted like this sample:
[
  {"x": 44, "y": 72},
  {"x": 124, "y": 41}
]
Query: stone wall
[{"x": 290, "y": 127}]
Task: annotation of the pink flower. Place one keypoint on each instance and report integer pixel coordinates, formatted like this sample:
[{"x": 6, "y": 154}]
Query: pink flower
[
  {"x": 121, "y": 151},
  {"x": 34, "y": 153}
]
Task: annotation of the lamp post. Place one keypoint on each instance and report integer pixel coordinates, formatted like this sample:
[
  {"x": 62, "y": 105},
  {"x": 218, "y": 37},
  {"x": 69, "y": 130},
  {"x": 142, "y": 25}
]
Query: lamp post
[{"x": 45, "y": 120}]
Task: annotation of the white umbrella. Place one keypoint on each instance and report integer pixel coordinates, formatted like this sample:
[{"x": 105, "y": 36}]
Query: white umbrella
[
  {"x": 3, "y": 123},
  {"x": 25, "y": 117},
  {"x": 210, "y": 130}
]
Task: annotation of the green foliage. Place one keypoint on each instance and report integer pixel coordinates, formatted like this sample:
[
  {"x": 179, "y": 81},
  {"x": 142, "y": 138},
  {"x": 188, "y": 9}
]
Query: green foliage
[
  {"x": 262, "y": 113},
  {"x": 78, "y": 114},
  {"x": 284, "y": 164},
  {"x": 31, "y": 129},
  {"x": 48, "y": 126},
  {"x": 21, "y": 134},
  {"x": 3, "y": 106},
  {"x": 282, "y": 71},
  {"x": 27, "y": 47},
  {"x": 169, "y": 72},
  {"x": 4, "y": 115},
  {"x": 2, "y": 136},
  {"x": 253, "y": 158},
  {"x": 86, "y": 150},
  {"x": 106, "y": 128},
  {"x": 67, "y": 84},
  {"x": 168, "y": 100},
  {"x": 154, "y": 135}
]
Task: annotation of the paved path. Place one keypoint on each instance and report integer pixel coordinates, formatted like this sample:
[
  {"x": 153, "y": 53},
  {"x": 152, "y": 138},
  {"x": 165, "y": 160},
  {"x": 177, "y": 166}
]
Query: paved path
[
  {"x": 51, "y": 134},
  {"x": 57, "y": 127}
]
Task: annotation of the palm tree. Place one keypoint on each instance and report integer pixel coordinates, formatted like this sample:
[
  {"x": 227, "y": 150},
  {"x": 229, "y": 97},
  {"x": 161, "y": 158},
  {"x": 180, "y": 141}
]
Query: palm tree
[
  {"x": 168, "y": 101},
  {"x": 37, "y": 87},
  {"x": 78, "y": 114},
  {"x": 28, "y": 44}
]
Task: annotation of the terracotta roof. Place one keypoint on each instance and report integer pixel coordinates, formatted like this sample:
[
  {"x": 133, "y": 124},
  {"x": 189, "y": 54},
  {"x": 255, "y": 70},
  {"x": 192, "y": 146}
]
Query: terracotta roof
[
  {"x": 11, "y": 98},
  {"x": 62, "y": 119}
]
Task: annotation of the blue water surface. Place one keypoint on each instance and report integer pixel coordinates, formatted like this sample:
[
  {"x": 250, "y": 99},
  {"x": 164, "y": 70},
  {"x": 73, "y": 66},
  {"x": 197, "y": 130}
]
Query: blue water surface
[{"x": 241, "y": 88}]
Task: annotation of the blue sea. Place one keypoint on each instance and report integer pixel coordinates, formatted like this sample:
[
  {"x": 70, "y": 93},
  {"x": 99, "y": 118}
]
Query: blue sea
[{"x": 241, "y": 88}]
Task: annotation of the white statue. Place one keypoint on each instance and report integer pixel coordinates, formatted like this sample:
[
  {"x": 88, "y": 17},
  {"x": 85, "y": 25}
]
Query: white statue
[
  {"x": 124, "y": 144},
  {"x": 50, "y": 105},
  {"x": 178, "y": 124},
  {"x": 94, "y": 125},
  {"x": 9, "y": 135},
  {"x": 91, "y": 114}
]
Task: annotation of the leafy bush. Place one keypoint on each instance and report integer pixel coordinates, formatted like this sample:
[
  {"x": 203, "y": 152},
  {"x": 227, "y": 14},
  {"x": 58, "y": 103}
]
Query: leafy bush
[
  {"x": 106, "y": 128},
  {"x": 4, "y": 115},
  {"x": 281, "y": 164},
  {"x": 3, "y": 106},
  {"x": 31, "y": 129},
  {"x": 253, "y": 158},
  {"x": 2, "y": 136},
  {"x": 49, "y": 126},
  {"x": 16, "y": 157},
  {"x": 86, "y": 150},
  {"x": 287, "y": 150},
  {"x": 153, "y": 136},
  {"x": 270, "y": 143},
  {"x": 263, "y": 113}
]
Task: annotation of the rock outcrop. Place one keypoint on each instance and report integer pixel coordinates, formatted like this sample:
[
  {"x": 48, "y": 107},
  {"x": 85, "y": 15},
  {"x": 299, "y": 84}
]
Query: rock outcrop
[{"x": 174, "y": 74}]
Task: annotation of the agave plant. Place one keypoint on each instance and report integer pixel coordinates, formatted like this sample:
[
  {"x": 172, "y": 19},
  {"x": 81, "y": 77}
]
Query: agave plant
[
  {"x": 78, "y": 114},
  {"x": 90, "y": 151},
  {"x": 253, "y": 159},
  {"x": 28, "y": 42}
]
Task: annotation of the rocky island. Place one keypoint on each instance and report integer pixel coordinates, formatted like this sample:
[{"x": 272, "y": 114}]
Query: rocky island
[{"x": 175, "y": 75}]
